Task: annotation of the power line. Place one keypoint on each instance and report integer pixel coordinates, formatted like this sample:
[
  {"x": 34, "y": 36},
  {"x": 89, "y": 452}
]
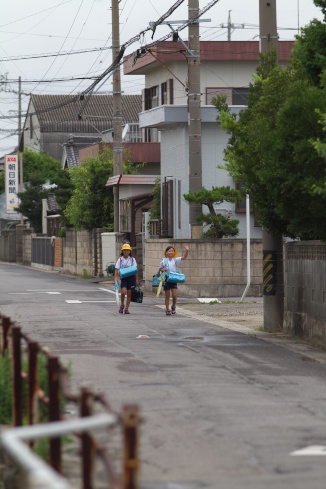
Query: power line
[
  {"x": 37, "y": 13},
  {"x": 52, "y": 55}
]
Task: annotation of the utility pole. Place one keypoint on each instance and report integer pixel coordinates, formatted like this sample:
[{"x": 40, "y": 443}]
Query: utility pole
[
  {"x": 117, "y": 117},
  {"x": 273, "y": 277},
  {"x": 19, "y": 110},
  {"x": 194, "y": 118},
  {"x": 229, "y": 26}
]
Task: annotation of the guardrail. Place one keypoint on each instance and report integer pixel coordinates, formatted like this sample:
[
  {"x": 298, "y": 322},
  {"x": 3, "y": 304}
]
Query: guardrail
[{"x": 58, "y": 387}]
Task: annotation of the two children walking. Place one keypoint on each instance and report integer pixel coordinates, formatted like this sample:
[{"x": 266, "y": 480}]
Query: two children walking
[{"x": 168, "y": 264}]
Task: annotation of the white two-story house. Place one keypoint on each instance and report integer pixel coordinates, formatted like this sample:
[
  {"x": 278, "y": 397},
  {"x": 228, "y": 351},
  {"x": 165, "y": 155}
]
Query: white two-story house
[{"x": 226, "y": 67}]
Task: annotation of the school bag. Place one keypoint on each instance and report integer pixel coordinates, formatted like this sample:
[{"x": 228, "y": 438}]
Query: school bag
[
  {"x": 174, "y": 277},
  {"x": 127, "y": 271}
]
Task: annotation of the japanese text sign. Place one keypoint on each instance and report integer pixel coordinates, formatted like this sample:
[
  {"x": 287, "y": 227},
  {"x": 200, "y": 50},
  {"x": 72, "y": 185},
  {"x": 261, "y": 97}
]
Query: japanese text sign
[{"x": 11, "y": 183}]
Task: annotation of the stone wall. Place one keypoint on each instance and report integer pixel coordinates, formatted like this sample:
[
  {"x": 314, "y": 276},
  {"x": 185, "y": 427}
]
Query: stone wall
[
  {"x": 214, "y": 268},
  {"x": 305, "y": 290}
]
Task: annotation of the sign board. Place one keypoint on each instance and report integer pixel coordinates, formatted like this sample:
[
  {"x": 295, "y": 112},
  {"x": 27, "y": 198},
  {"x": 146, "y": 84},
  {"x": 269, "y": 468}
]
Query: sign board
[{"x": 11, "y": 183}]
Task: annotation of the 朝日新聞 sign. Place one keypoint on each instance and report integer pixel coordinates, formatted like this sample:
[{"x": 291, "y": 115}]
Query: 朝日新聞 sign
[{"x": 11, "y": 183}]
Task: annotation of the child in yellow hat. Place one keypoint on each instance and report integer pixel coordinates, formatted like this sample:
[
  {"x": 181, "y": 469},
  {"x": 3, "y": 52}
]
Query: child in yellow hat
[
  {"x": 128, "y": 283},
  {"x": 172, "y": 265}
]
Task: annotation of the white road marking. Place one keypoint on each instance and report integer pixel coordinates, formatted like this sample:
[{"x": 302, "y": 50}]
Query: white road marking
[
  {"x": 31, "y": 293},
  {"x": 107, "y": 290},
  {"x": 82, "y": 302},
  {"x": 312, "y": 450}
]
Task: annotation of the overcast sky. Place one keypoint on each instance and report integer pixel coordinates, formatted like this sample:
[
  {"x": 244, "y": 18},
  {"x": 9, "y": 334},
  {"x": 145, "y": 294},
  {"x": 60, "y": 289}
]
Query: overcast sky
[{"x": 60, "y": 26}]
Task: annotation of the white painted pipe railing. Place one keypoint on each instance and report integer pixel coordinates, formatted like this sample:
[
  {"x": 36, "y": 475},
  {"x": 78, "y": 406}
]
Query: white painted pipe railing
[
  {"x": 39, "y": 475},
  {"x": 248, "y": 247}
]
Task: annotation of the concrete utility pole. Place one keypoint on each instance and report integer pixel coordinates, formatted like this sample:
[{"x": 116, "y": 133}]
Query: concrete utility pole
[
  {"x": 229, "y": 26},
  {"x": 117, "y": 117},
  {"x": 273, "y": 288},
  {"x": 194, "y": 118},
  {"x": 19, "y": 110}
]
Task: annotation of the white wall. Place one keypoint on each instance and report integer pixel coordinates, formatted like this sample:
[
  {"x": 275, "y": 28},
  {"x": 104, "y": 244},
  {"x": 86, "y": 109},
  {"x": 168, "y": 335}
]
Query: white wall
[
  {"x": 174, "y": 162},
  {"x": 212, "y": 74}
]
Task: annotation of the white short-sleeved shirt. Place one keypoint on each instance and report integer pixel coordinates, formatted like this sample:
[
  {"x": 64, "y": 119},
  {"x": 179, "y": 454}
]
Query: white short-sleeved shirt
[
  {"x": 124, "y": 263},
  {"x": 173, "y": 264}
]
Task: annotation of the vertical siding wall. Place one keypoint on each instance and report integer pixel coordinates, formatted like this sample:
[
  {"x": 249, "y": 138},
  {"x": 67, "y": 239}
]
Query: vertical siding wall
[
  {"x": 214, "y": 268},
  {"x": 305, "y": 290},
  {"x": 8, "y": 245}
]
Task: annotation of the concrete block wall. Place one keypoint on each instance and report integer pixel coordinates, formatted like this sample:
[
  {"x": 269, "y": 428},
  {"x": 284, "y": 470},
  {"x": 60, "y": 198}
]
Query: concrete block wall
[
  {"x": 305, "y": 290},
  {"x": 27, "y": 246},
  {"x": 214, "y": 268},
  {"x": 82, "y": 250}
]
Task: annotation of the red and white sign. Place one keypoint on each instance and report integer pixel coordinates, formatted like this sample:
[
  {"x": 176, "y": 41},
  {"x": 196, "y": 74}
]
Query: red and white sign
[{"x": 11, "y": 183}]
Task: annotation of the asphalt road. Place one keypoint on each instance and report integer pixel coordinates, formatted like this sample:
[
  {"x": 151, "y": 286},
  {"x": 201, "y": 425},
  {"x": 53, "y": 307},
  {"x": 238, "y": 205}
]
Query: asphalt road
[{"x": 224, "y": 406}]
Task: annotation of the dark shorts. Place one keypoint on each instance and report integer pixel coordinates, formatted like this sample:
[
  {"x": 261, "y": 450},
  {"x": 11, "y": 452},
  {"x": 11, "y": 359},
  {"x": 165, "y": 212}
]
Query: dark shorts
[
  {"x": 128, "y": 282},
  {"x": 170, "y": 286}
]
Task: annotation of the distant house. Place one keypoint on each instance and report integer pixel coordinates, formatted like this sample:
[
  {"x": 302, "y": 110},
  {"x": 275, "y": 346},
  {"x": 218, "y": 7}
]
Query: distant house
[
  {"x": 135, "y": 191},
  {"x": 225, "y": 67},
  {"x": 51, "y": 119}
]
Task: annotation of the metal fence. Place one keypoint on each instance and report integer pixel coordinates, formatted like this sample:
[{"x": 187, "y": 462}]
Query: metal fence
[{"x": 15, "y": 342}]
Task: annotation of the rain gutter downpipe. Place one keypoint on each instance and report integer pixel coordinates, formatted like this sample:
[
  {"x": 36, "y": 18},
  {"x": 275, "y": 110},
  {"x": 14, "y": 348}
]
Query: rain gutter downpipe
[{"x": 248, "y": 246}]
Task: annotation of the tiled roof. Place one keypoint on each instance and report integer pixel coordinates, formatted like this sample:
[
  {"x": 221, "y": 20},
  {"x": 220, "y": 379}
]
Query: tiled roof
[
  {"x": 75, "y": 143},
  {"x": 131, "y": 180},
  {"x": 209, "y": 51},
  {"x": 64, "y": 109}
]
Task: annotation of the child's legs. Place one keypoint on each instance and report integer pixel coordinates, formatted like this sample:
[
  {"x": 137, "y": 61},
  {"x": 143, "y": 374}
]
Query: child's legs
[
  {"x": 123, "y": 294},
  {"x": 128, "y": 298},
  {"x": 167, "y": 298},
  {"x": 174, "y": 296}
]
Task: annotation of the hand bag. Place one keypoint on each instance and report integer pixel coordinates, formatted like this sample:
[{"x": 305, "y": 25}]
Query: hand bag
[
  {"x": 137, "y": 295},
  {"x": 175, "y": 277},
  {"x": 156, "y": 279},
  {"x": 127, "y": 272}
]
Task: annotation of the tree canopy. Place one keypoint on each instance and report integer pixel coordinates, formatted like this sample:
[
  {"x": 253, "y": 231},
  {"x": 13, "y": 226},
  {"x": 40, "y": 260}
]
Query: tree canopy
[
  {"x": 91, "y": 203},
  {"x": 219, "y": 225},
  {"x": 277, "y": 145},
  {"x": 41, "y": 172}
]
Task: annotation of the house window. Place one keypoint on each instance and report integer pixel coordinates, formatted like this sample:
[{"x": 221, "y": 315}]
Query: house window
[
  {"x": 240, "y": 96},
  {"x": 135, "y": 134},
  {"x": 153, "y": 97},
  {"x": 234, "y": 96},
  {"x": 125, "y": 216},
  {"x": 240, "y": 205},
  {"x": 151, "y": 135},
  {"x": 164, "y": 93}
]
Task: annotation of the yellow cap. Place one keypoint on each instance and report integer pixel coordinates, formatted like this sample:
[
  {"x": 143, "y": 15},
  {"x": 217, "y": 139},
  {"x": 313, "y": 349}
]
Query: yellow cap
[{"x": 126, "y": 247}]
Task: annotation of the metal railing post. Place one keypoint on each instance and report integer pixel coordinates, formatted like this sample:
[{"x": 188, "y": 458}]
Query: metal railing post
[
  {"x": 5, "y": 332},
  {"x": 33, "y": 405},
  {"x": 130, "y": 419},
  {"x": 54, "y": 410},
  {"x": 86, "y": 408},
  {"x": 17, "y": 379}
]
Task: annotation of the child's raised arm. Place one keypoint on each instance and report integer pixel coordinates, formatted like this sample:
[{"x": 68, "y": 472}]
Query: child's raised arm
[{"x": 186, "y": 253}]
